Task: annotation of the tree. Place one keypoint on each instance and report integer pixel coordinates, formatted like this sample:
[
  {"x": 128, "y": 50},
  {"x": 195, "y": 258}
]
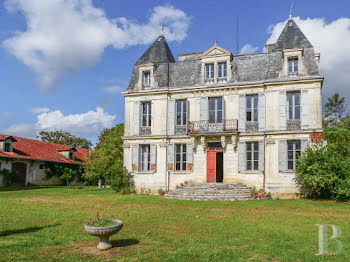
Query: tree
[
  {"x": 106, "y": 161},
  {"x": 334, "y": 110},
  {"x": 323, "y": 171},
  {"x": 66, "y": 172},
  {"x": 64, "y": 138}
]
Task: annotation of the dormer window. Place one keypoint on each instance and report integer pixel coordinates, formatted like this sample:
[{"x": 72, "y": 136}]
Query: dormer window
[
  {"x": 222, "y": 72},
  {"x": 146, "y": 80},
  {"x": 293, "y": 66},
  {"x": 7, "y": 146},
  {"x": 71, "y": 155},
  {"x": 209, "y": 73}
]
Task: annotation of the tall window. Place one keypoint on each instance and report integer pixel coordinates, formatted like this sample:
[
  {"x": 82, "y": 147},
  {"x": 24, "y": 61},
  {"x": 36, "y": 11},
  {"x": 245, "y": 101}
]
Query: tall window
[
  {"x": 7, "y": 147},
  {"x": 181, "y": 112},
  {"x": 294, "y": 151},
  {"x": 145, "y": 157},
  {"x": 209, "y": 71},
  {"x": 146, "y": 114},
  {"x": 293, "y": 66},
  {"x": 146, "y": 80},
  {"x": 215, "y": 109},
  {"x": 222, "y": 72},
  {"x": 252, "y": 155},
  {"x": 252, "y": 107},
  {"x": 180, "y": 157},
  {"x": 293, "y": 103}
]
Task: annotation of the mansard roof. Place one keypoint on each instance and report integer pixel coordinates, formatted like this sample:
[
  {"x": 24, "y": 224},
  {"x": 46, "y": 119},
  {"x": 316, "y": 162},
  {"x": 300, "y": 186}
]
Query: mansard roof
[
  {"x": 158, "y": 52},
  {"x": 291, "y": 37}
]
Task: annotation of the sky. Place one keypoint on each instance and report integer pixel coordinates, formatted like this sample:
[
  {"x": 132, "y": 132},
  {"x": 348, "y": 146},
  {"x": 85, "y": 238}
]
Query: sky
[{"x": 66, "y": 62}]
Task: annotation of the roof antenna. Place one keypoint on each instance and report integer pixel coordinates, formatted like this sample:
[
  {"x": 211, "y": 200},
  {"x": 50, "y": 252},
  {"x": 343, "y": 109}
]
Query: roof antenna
[
  {"x": 291, "y": 11},
  {"x": 237, "y": 47}
]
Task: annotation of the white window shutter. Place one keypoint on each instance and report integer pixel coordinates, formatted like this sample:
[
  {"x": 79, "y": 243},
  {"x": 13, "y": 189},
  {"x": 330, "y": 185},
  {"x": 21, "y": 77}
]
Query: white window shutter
[
  {"x": 153, "y": 156},
  {"x": 261, "y": 111},
  {"x": 170, "y": 157},
  {"x": 283, "y": 109},
  {"x": 135, "y": 157},
  {"x": 304, "y": 101},
  {"x": 136, "y": 118},
  {"x": 282, "y": 155},
  {"x": 204, "y": 109},
  {"x": 241, "y": 156},
  {"x": 241, "y": 113},
  {"x": 189, "y": 156},
  {"x": 304, "y": 144},
  {"x": 171, "y": 117},
  {"x": 261, "y": 155}
]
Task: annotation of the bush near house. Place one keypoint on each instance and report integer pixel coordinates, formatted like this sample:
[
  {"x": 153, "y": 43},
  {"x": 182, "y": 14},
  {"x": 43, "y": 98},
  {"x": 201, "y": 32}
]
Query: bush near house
[
  {"x": 106, "y": 161},
  {"x": 323, "y": 171}
]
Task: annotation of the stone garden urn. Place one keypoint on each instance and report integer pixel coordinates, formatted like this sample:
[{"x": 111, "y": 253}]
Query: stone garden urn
[{"x": 103, "y": 233}]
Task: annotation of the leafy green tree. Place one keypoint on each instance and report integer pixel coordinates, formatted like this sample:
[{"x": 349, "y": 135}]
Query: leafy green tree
[
  {"x": 345, "y": 122},
  {"x": 323, "y": 171},
  {"x": 64, "y": 138},
  {"x": 106, "y": 161},
  {"x": 334, "y": 110},
  {"x": 66, "y": 172}
]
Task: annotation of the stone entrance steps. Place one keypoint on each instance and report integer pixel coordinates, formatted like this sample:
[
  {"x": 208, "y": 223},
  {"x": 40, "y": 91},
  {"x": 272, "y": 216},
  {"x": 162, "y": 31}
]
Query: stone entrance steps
[{"x": 211, "y": 191}]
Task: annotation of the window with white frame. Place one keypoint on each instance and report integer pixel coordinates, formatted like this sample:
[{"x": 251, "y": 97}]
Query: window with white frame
[
  {"x": 180, "y": 157},
  {"x": 209, "y": 72},
  {"x": 294, "y": 151},
  {"x": 252, "y": 150},
  {"x": 215, "y": 109},
  {"x": 146, "y": 79},
  {"x": 293, "y": 66},
  {"x": 222, "y": 70},
  {"x": 145, "y": 158},
  {"x": 252, "y": 108},
  {"x": 293, "y": 105},
  {"x": 146, "y": 114},
  {"x": 181, "y": 112}
]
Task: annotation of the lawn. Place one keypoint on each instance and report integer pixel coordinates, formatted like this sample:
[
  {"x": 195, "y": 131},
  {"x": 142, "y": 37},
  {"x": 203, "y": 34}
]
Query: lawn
[{"x": 46, "y": 224}]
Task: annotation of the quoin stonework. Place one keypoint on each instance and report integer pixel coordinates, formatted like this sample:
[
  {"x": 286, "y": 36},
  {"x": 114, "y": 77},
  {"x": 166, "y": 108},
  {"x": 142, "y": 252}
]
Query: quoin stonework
[{"x": 215, "y": 117}]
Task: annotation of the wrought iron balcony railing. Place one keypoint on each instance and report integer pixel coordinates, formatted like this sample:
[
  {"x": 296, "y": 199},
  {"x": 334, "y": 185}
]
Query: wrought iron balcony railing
[
  {"x": 293, "y": 124},
  {"x": 207, "y": 126},
  {"x": 145, "y": 131}
]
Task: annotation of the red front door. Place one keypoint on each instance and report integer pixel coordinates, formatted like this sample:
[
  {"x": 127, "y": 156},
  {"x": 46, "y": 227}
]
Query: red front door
[{"x": 211, "y": 172}]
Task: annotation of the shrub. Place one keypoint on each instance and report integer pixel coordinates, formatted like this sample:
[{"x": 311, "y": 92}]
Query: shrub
[
  {"x": 122, "y": 183},
  {"x": 8, "y": 176},
  {"x": 323, "y": 171}
]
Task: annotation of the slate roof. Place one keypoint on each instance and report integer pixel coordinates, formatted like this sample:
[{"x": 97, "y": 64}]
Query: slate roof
[
  {"x": 158, "y": 52},
  {"x": 291, "y": 37},
  {"x": 25, "y": 148},
  {"x": 245, "y": 68}
]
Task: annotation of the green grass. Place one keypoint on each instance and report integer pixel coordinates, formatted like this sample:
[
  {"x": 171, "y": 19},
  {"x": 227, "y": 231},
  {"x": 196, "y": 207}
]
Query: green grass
[
  {"x": 102, "y": 223},
  {"x": 47, "y": 224}
]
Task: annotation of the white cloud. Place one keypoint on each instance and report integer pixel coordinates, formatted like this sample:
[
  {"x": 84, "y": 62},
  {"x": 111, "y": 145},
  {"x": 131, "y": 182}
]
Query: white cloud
[
  {"x": 65, "y": 35},
  {"x": 112, "y": 89},
  {"x": 248, "y": 49},
  {"x": 88, "y": 124},
  {"x": 5, "y": 115},
  {"x": 38, "y": 110},
  {"x": 332, "y": 40}
]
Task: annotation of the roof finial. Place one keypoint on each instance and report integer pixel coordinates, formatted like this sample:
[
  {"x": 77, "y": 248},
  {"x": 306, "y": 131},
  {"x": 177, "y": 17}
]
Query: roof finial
[
  {"x": 291, "y": 11},
  {"x": 216, "y": 42},
  {"x": 162, "y": 30}
]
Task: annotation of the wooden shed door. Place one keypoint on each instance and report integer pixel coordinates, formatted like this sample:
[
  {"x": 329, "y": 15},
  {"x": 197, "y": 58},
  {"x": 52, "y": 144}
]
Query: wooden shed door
[{"x": 21, "y": 172}]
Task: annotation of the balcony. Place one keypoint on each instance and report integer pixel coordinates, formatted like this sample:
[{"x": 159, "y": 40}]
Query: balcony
[
  {"x": 145, "y": 131},
  {"x": 293, "y": 124},
  {"x": 209, "y": 81},
  {"x": 206, "y": 126},
  {"x": 251, "y": 126},
  {"x": 180, "y": 130}
]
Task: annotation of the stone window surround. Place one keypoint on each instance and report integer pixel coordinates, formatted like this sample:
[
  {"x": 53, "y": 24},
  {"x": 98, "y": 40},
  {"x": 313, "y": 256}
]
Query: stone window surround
[
  {"x": 216, "y": 61},
  {"x": 143, "y": 69},
  {"x": 293, "y": 53}
]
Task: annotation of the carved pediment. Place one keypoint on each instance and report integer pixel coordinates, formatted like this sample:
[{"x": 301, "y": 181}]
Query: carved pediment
[{"x": 216, "y": 51}]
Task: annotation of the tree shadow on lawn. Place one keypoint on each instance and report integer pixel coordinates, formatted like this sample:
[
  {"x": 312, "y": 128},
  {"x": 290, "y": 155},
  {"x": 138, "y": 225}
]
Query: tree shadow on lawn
[
  {"x": 124, "y": 242},
  {"x": 14, "y": 188},
  {"x": 24, "y": 230}
]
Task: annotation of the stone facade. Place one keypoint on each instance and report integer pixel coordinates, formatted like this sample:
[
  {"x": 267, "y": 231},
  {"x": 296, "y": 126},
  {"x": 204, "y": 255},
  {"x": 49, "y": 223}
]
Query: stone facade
[{"x": 218, "y": 89}]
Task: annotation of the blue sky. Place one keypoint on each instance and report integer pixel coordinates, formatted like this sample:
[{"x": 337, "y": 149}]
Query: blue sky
[{"x": 74, "y": 81}]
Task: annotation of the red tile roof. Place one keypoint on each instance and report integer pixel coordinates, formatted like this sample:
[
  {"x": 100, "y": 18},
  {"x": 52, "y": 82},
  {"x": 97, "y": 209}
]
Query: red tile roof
[{"x": 38, "y": 150}]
